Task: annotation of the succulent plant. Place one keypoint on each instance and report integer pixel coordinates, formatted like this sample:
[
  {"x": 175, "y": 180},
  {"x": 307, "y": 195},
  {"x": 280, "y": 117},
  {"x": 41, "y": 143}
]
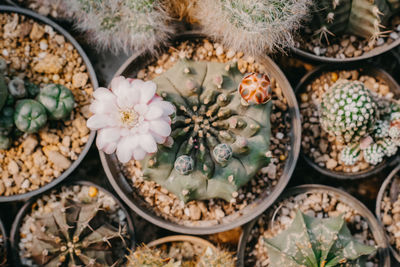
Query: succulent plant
[
  {"x": 388, "y": 146},
  {"x": 57, "y": 99},
  {"x": 3, "y": 91},
  {"x": 363, "y": 18},
  {"x": 29, "y": 116},
  {"x": 252, "y": 26},
  {"x": 16, "y": 87},
  {"x": 315, "y": 242},
  {"x": 6, "y": 120},
  {"x": 211, "y": 121},
  {"x": 348, "y": 110},
  {"x": 32, "y": 89},
  {"x": 76, "y": 234},
  {"x": 381, "y": 129},
  {"x": 374, "y": 154},
  {"x": 350, "y": 154},
  {"x": 143, "y": 256},
  {"x": 216, "y": 258}
]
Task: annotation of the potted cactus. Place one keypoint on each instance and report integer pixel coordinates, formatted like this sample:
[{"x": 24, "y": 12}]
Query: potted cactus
[
  {"x": 46, "y": 85},
  {"x": 349, "y": 120},
  {"x": 343, "y": 31},
  {"x": 300, "y": 212},
  {"x": 176, "y": 251},
  {"x": 193, "y": 180},
  {"x": 387, "y": 210},
  {"x": 80, "y": 224}
]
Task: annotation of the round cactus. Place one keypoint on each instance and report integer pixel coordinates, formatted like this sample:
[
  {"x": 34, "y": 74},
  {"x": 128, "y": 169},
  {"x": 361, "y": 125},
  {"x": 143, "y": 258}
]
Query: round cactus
[
  {"x": 16, "y": 87},
  {"x": 5, "y": 142},
  {"x": 29, "y": 116},
  {"x": 57, "y": 99},
  {"x": 222, "y": 153},
  {"x": 348, "y": 110},
  {"x": 389, "y": 147},
  {"x": 210, "y": 124},
  {"x": 6, "y": 120},
  {"x": 373, "y": 154},
  {"x": 381, "y": 129},
  {"x": 350, "y": 154},
  {"x": 32, "y": 89},
  {"x": 184, "y": 164}
]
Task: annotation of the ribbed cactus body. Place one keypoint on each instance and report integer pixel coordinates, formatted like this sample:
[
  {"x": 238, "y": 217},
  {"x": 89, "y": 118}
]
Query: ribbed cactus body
[
  {"x": 348, "y": 110},
  {"x": 313, "y": 242},
  {"x": 226, "y": 139},
  {"x": 350, "y": 154}
]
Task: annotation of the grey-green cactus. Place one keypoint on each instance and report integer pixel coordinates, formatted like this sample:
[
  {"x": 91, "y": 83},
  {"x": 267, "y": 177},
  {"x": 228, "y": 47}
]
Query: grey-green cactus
[
  {"x": 374, "y": 154},
  {"x": 143, "y": 256},
  {"x": 29, "y": 116},
  {"x": 364, "y": 18},
  {"x": 210, "y": 124},
  {"x": 57, "y": 99},
  {"x": 16, "y": 88},
  {"x": 350, "y": 154},
  {"x": 315, "y": 242},
  {"x": 348, "y": 110}
]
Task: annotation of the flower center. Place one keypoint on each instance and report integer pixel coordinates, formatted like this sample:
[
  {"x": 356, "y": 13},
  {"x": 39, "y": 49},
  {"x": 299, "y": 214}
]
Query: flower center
[{"x": 129, "y": 117}]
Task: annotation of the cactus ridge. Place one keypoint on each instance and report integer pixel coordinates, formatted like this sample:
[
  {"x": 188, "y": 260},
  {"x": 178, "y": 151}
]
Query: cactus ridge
[
  {"x": 315, "y": 242},
  {"x": 226, "y": 140}
]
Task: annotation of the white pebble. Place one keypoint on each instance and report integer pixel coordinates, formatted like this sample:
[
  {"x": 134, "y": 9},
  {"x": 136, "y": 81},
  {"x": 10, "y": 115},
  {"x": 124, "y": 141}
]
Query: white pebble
[
  {"x": 43, "y": 46},
  {"x": 394, "y": 35},
  {"x": 5, "y": 52},
  {"x": 279, "y": 135}
]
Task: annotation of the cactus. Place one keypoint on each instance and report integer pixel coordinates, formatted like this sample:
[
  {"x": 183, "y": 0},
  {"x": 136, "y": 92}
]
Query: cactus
[
  {"x": 210, "y": 122},
  {"x": 252, "y": 26},
  {"x": 5, "y": 142},
  {"x": 373, "y": 154},
  {"x": 363, "y": 18},
  {"x": 388, "y": 146},
  {"x": 381, "y": 129},
  {"x": 3, "y": 92},
  {"x": 16, "y": 88},
  {"x": 216, "y": 258},
  {"x": 57, "y": 99},
  {"x": 148, "y": 257},
  {"x": 76, "y": 234},
  {"x": 314, "y": 242},
  {"x": 6, "y": 120},
  {"x": 350, "y": 154},
  {"x": 29, "y": 116},
  {"x": 348, "y": 111}
]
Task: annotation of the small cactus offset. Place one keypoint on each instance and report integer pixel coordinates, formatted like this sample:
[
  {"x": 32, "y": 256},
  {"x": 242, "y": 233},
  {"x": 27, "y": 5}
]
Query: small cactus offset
[
  {"x": 219, "y": 140},
  {"x": 314, "y": 242},
  {"x": 350, "y": 154},
  {"x": 374, "y": 154},
  {"x": 348, "y": 111},
  {"x": 381, "y": 129},
  {"x": 389, "y": 147}
]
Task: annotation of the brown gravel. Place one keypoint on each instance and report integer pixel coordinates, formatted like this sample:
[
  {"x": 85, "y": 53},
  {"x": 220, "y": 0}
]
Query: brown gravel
[
  {"x": 317, "y": 144},
  {"x": 37, "y": 53},
  {"x": 212, "y": 212},
  {"x": 318, "y": 204}
]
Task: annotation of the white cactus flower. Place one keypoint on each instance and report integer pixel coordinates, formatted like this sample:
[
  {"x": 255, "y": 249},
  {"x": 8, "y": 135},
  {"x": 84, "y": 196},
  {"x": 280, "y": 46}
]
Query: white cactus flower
[{"x": 131, "y": 118}]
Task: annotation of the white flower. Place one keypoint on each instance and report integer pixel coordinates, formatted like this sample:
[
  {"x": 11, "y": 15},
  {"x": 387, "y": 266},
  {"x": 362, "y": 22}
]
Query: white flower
[{"x": 130, "y": 118}]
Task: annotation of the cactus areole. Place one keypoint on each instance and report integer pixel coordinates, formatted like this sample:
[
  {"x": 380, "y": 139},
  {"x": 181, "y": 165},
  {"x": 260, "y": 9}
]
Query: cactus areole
[{"x": 218, "y": 141}]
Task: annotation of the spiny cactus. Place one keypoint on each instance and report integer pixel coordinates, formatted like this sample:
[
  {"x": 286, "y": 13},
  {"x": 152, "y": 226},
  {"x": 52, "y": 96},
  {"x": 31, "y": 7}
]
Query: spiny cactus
[
  {"x": 381, "y": 129},
  {"x": 252, "y": 26},
  {"x": 216, "y": 258},
  {"x": 210, "y": 124},
  {"x": 348, "y": 110},
  {"x": 350, "y": 154},
  {"x": 143, "y": 256},
  {"x": 76, "y": 234},
  {"x": 374, "y": 154},
  {"x": 315, "y": 242},
  {"x": 364, "y": 18},
  {"x": 388, "y": 146}
]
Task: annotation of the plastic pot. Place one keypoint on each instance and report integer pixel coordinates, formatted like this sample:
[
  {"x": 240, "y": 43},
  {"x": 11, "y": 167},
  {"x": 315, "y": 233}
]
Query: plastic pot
[
  {"x": 26, "y": 209},
  {"x": 376, "y": 229},
  {"x": 93, "y": 79},
  {"x": 378, "y": 212},
  {"x": 138, "y": 205},
  {"x": 379, "y": 74}
]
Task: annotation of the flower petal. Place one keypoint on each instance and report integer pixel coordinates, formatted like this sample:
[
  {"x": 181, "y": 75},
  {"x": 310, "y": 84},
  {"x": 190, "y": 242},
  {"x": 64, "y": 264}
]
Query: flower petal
[
  {"x": 153, "y": 113},
  {"x": 127, "y": 96},
  {"x": 147, "y": 91},
  {"x": 148, "y": 143},
  {"x": 99, "y": 121},
  {"x": 159, "y": 139},
  {"x": 160, "y": 127},
  {"x": 139, "y": 153},
  {"x": 103, "y": 107},
  {"x": 141, "y": 108},
  {"x": 107, "y": 139},
  {"x": 124, "y": 150},
  {"x": 110, "y": 148},
  {"x": 166, "y": 106},
  {"x": 102, "y": 93}
]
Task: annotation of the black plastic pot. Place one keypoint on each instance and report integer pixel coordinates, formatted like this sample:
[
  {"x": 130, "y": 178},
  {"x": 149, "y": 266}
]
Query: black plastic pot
[
  {"x": 378, "y": 212},
  {"x": 5, "y": 242},
  {"x": 26, "y": 208},
  {"x": 376, "y": 229},
  {"x": 379, "y": 74},
  {"x": 93, "y": 79},
  {"x": 138, "y": 204}
]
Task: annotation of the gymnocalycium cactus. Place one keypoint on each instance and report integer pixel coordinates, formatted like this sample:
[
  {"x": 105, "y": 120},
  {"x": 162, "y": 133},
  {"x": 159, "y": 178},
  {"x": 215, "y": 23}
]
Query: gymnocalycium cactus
[
  {"x": 57, "y": 99},
  {"x": 219, "y": 142},
  {"x": 148, "y": 257},
  {"x": 363, "y": 18},
  {"x": 315, "y": 242},
  {"x": 348, "y": 111},
  {"x": 29, "y": 116}
]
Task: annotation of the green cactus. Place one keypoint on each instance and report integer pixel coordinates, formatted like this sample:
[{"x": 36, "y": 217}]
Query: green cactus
[
  {"x": 6, "y": 120},
  {"x": 388, "y": 146},
  {"x": 374, "y": 154},
  {"x": 5, "y": 142},
  {"x": 208, "y": 114},
  {"x": 364, "y": 18},
  {"x": 148, "y": 257},
  {"x": 381, "y": 129},
  {"x": 348, "y": 111},
  {"x": 350, "y": 154},
  {"x": 3, "y": 91},
  {"x": 57, "y": 99},
  {"x": 16, "y": 88},
  {"x": 314, "y": 242},
  {"x": 29, "y": 115},
  {"x": 32, "y": 89},
  {"x": 77, "y": 234}
]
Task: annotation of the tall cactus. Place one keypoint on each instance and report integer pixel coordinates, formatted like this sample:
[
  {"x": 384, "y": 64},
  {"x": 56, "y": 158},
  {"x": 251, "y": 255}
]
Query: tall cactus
[
  {"x": 315, "y": 242},
  {"x": 219, "y": 142}
]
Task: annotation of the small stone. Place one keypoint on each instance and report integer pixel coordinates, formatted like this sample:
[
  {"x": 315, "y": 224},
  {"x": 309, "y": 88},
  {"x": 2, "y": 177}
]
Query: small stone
[
  {"x": 357, "y": 53},
  {"x": 29, "y": 144},
  {"x": 349, "y": 52},
  {"x": 387, "y": 220},
  {"x": 50, "y": 64},
  {"x": 394, "y": 35},
  {"x": 317, "y": 50},
  {"x": 59, "y": 160},
  {"x": 219, "y": 51},
  {"x": 384, "y": 89},
  {"x": 13, "y": 167},
  {"x": 380, "y": 41},
  {"x": 279, "y": 135},
  {"x": 79, "y": 80},
  {"x": 331, "y": 164},
  {"x": 37, "y": 32},
  {"x": 195, "y": 212},
  {"x": 59, "y": 39},
  {"x": 345, "y": 42},
  {"x": 25, "y": 184},
  {"x": 230, "y": 54}
]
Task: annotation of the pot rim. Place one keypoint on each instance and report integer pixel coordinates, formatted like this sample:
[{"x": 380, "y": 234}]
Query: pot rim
[
  {"x": 125, "y": 190},
  {"x": 346, "y": 198},
  {"x": 24, "y": 210},
  {"x": 93, "y": 79},
  {"x": 314, "y": 73},
  {"x": 378, "y": 213}
]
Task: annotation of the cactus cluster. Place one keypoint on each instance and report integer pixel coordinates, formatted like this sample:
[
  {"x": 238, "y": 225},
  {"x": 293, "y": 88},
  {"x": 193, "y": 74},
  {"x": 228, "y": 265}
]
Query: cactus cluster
[
  {"x": 364, "y": 18},
  {"x": 73, "y": 232},
  {"x": 314, "y": 242},
  {"x": 219, "y": 140},
  {"x": 25, "y": 108},
  {"x": 350, "y": 112}
]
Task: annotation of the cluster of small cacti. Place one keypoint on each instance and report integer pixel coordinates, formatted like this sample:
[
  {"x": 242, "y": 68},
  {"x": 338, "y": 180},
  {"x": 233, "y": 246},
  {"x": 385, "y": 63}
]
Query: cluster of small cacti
[
  {"x": 364, "y": 18},
  {"x": 25, "y": 108},
  {"x": 314, "y": 242},
  {"x": 351, "y": 113},
  {"x": 220, "y": 136}
]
